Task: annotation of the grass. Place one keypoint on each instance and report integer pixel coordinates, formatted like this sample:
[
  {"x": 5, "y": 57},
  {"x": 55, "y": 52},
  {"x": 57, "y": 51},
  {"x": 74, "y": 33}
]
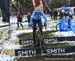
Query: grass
[{"x": 29, "y": 35}]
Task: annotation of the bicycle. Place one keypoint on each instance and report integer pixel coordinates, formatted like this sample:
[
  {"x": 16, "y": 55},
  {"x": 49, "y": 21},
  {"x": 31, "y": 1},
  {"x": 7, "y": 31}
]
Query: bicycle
[
  {"x": 38, "y": 43},
  {"x": 63, "y": 27},
  {"x": 38, "y": 37}
]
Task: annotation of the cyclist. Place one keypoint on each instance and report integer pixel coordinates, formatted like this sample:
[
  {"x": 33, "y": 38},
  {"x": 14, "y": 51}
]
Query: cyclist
[{"x": 36, "y": 19}]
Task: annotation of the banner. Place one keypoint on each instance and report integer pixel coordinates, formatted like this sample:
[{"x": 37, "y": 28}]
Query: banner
[
  {"x": 47, "y": 40},
  {"x": 26, "y": 42},
  {"x": 45, "y": 51},
  {"x": 34, "y": 4}
]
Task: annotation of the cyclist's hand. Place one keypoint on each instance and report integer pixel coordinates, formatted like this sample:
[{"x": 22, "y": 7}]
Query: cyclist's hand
[{"x": 45, "y": 25}]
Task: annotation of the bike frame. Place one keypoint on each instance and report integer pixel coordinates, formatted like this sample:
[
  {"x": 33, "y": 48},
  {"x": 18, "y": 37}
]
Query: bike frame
[{"x": 38, "y": 37}]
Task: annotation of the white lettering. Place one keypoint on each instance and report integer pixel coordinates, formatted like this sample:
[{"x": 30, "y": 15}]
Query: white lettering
[
  {"x": 27, "y": 42},
  {"x": 58, "y": 50},
  {"x": 50, "y": 40},
  {"x": 26, "y": 53}
]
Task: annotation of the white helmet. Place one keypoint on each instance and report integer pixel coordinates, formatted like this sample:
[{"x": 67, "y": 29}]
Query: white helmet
[{"x": 38, "y": 9}]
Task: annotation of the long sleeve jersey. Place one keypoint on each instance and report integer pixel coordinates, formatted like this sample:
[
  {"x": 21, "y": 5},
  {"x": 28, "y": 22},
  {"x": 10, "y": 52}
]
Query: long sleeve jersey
[{"x": 35, "y": 15}]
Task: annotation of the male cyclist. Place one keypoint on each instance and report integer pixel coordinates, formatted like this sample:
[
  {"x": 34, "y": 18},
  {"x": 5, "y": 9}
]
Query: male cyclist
[{"x": 36, "y": 19}]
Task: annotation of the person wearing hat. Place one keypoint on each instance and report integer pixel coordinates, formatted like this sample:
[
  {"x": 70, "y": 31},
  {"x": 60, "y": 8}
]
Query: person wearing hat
[{"x": 36, "y": 19}]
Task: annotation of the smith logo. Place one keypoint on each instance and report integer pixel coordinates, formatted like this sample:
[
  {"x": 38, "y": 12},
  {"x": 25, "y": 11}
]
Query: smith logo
[
  {"x": 26, "y": 52},
  {"x": 55, "y": 51}
]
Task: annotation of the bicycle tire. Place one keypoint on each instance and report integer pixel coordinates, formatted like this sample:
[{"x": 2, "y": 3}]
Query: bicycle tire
[
  {"x": 39, "y": 39},
  {"x": 57, "y": 27}
]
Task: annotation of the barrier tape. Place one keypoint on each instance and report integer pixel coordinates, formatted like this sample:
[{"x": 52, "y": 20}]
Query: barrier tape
[
  {"x": 47, "y": 40},
  {"x": 46, "y": 51}
]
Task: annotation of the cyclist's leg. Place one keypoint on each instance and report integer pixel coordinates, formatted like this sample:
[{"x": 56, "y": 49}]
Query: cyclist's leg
[
  {"x": 40, "y": 32},
  {"x": 40, "y": 26},
  {"x": 34, "y": 32}
]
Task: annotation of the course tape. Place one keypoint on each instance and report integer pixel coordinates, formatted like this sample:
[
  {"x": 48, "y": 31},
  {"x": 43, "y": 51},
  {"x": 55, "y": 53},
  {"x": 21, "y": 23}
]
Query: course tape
[
  {"x": 47, "y": 40},
  {"x": 44, "y": 51}
]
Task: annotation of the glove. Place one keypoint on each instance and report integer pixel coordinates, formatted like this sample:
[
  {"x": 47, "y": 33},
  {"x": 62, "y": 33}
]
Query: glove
[{"x": 45, "y": 25}]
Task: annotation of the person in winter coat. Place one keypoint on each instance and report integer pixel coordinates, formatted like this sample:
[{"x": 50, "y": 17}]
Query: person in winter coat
[{"x": 19, "y": 19}]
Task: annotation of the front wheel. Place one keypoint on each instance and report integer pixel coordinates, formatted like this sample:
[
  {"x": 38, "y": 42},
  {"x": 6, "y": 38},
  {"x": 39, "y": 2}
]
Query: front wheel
[
  {"x": 39, "y": 39},
  {"x": 57, "y": 27}
]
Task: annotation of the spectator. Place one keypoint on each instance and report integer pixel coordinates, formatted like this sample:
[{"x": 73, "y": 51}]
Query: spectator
[
  {"x": 19, "y": 19},
  {"x": 66, "y": 13},
  {"x": 55, "y": 14},
  {"x": 51, "y": 13},
  {"x": 28, "y": 17},
  {"x": 61, "y": 15},
  {"x": 4, "y": 5},
  {"x": 70, "y": 14}
]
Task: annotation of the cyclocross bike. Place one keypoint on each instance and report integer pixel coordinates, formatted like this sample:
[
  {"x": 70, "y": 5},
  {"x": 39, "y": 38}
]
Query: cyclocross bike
[{"x": 38, "y": 37}]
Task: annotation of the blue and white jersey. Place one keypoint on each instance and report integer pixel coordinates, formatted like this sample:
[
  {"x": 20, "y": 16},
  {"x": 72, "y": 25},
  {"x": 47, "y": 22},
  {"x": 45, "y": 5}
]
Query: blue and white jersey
[{"x": 37, "y": 15}]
